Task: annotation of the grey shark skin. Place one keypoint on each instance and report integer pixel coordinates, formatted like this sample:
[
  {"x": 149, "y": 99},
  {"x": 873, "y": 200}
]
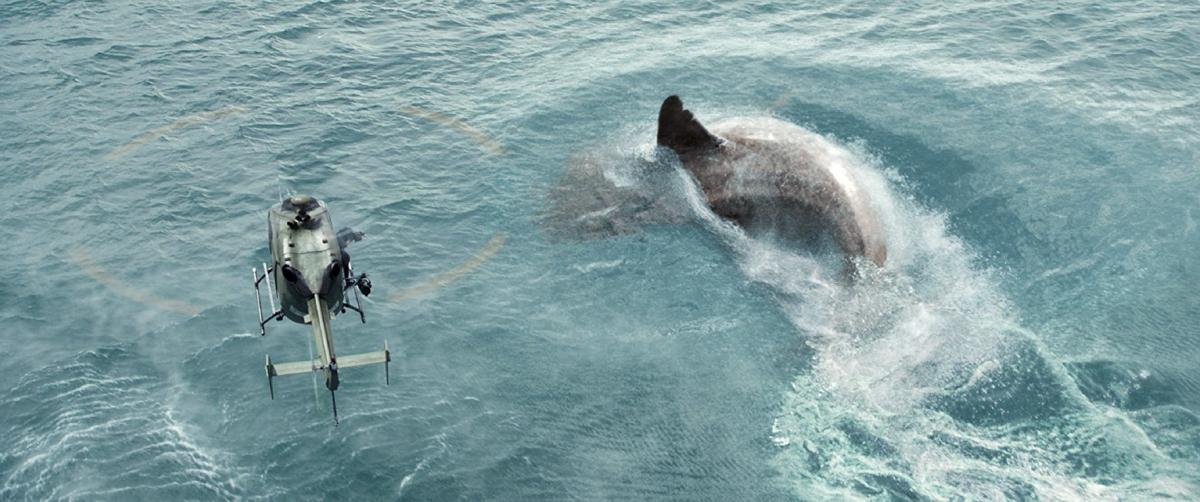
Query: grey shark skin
[{"x": 766, "y": 174}]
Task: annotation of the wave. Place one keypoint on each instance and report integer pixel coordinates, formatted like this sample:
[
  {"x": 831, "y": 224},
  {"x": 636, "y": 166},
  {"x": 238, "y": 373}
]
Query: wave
[
  {"x": 925, "y": 383},
  {"x": 103, "y": 425}
]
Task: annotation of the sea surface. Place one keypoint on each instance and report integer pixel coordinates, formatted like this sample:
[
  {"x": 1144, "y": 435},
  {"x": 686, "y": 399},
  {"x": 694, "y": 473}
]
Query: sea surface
[{"x": 1035, "y": 334}]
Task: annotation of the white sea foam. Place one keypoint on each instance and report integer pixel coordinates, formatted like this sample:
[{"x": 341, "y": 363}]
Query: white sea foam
[{"x": 930, "y": 327}]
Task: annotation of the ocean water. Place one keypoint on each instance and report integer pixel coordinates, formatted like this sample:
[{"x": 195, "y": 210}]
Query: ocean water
[{"x": 1035, "y": 334}]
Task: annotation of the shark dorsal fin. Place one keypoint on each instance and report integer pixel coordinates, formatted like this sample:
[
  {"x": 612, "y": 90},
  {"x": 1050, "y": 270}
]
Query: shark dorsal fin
[{"x": 679, "y": 130}]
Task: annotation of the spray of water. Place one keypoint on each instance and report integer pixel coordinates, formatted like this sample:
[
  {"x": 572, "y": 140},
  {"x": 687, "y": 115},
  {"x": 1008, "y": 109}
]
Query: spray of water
[{"x": 925, "y": 384}]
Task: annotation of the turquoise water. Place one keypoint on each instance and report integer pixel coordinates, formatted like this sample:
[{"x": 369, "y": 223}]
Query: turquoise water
[{"x": 1033, "y": 336}]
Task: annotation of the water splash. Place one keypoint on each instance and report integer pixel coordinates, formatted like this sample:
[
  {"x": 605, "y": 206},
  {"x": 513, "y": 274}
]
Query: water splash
[{"x": 925, "y": 383}]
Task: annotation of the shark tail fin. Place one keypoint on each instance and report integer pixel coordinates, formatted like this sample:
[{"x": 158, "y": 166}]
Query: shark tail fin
[{"x": 679, "y": 130}]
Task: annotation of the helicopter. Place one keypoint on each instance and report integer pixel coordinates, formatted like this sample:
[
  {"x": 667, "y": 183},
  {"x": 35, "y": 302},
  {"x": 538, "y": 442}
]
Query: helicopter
[{"x": 311, "y": 273}]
